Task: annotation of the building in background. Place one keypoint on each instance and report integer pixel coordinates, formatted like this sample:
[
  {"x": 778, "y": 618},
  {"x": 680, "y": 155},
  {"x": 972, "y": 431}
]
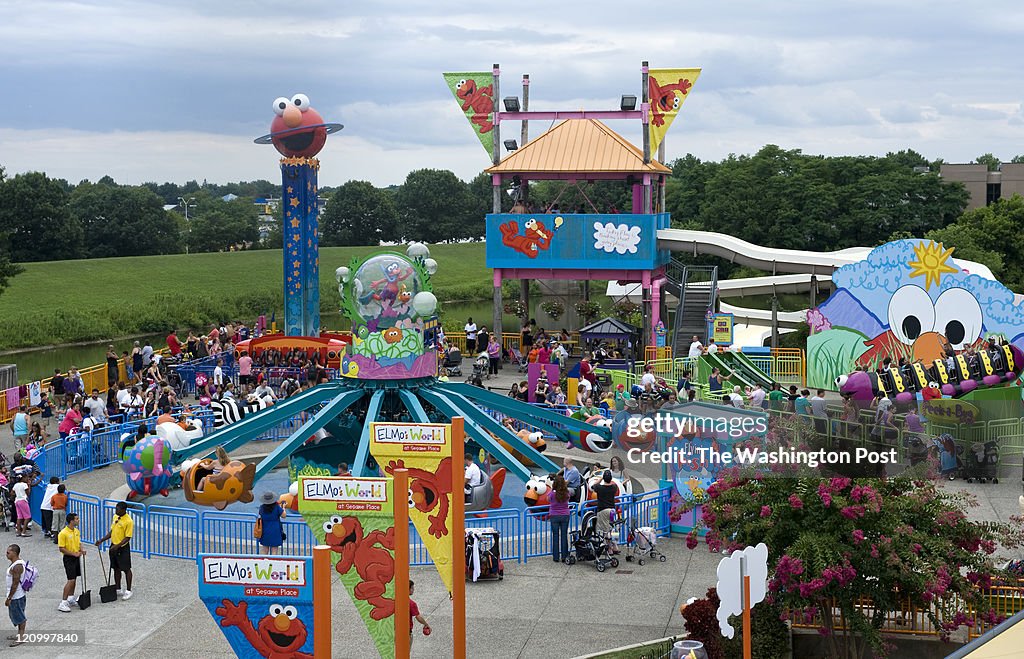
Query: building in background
[{"x": 986, "y": 187}]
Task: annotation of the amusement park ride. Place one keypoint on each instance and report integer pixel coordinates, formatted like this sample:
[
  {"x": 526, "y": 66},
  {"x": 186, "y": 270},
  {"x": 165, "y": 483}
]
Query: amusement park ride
[{"x": 388, "y": 370}]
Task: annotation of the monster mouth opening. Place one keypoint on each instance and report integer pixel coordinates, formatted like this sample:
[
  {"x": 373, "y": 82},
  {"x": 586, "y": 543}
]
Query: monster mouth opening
[
  {"x": 298, "y": 141},
  {"x": 348, "y": 539},
  {"x": 197, "y": 477},
  {"x": 281, "y": 640}
]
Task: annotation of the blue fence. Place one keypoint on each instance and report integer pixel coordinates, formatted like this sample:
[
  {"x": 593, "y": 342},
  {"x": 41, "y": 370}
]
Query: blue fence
[{"x": 169, "y": 532}]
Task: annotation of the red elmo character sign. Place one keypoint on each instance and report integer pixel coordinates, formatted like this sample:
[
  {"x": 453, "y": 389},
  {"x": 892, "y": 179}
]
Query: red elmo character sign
[
  {"x": 535, "y": 236},
  {"x": 277, "y": 635},
  {"x": 298, "y": 131}
]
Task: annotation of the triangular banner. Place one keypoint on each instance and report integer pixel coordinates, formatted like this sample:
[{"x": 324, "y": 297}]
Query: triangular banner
[
  {"x": 355, "y": 518},
  {"x": 475, "y": 94},
  {"x": 669, "y": 89},
  {"x": 424, "y": 449}
]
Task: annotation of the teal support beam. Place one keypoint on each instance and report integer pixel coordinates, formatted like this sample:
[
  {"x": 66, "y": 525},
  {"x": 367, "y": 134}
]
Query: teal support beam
[
  {"x": 414, "y": 406},
  {"x": 329, "y": 412},
  {"x": 372, "y": 410},
  {"x": 238, "y": 434},
  {"x": 523, "y": 411},
  {"x": 446, "y": 406},
  {"x": 485, "y": 421}
]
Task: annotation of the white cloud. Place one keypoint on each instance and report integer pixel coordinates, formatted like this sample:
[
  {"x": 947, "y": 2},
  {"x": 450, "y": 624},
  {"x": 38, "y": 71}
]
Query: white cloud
[{"x": 156, "y": 91}]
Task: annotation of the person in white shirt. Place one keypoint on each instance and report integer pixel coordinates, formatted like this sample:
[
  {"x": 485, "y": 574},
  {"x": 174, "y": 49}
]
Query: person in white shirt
[
  {"x": 696, "y": 349},
  {"x": 147, "y": 354},
  {"x": 96, "y": 406},
  {"x": 218, "y": 375},
  {"x": 470, "y": 336},
  {"x": 712, "y": 348},
  {"x": 21, "y": 489},
  {"x": 756, "y": 397},
  {"x": 122, "y": 397},
  {"x": 134, "y": 403},
  {"x": 648, "y": 377},
  {"x": 474, "y": 477},
  {"x": 46, "y": 507},
  {"x": 736, "y": 398},
  {"x": 264, "y": 391}
]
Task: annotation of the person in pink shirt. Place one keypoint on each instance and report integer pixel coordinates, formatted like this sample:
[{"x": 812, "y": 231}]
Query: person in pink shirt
[
  {"x": 544, "y": 355},
  {"x": 244, "y": 369},
  {"x": 72, "y": 419}
]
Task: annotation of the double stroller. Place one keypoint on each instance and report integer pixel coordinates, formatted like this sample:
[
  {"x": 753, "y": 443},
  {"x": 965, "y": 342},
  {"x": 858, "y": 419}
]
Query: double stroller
[
  {"x": 483, "y": 554},
  {"x": 982, "y": 463},
  {"x": 588, "y": 544}
]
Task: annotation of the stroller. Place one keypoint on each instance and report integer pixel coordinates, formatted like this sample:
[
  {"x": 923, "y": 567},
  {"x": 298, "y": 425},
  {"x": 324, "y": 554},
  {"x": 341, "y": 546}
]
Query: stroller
[
  {"x": 480, "y": 368},
  {"x": 983, "y": 463},
  {"x": 483, "y": 554},
  {"x": 452, "y": 363},
  {"x": 642, "y": 544},
  {"x": 590, "y": 545},
  {"x": 519, "y": 360}
]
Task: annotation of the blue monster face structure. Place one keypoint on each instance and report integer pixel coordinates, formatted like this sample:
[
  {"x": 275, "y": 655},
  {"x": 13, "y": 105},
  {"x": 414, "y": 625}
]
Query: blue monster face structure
[{"x": 392, "y": 270}]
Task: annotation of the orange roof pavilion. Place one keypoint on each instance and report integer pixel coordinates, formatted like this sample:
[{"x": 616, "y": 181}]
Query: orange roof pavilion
[{"x": 581, "y": 149}]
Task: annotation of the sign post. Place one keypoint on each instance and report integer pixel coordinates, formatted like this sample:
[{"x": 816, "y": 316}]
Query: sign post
[
  {"x": 742, "y": 583},
  {"x": 402, "y": 637},
  {"x": 458, "y": 545}
]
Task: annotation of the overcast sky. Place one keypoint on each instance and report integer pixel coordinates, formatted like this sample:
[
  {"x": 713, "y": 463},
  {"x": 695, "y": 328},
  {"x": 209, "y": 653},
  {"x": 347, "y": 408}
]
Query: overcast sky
[{"x": 178, "y": 90}]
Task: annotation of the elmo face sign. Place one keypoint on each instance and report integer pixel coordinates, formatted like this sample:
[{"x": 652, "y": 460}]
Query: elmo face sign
[{"x": 298, "y": 131}]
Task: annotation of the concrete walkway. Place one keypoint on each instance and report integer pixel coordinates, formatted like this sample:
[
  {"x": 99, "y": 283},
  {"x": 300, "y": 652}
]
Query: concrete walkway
[{"x": 540, "y": 609}]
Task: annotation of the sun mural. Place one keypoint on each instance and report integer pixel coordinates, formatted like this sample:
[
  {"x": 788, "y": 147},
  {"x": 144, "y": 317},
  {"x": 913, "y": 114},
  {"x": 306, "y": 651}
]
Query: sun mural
[{"x": 932, "y": 262}]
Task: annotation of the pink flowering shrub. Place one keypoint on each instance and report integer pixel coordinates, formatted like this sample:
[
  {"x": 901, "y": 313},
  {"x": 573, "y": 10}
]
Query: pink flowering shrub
[{"x": 835, "y": 541}]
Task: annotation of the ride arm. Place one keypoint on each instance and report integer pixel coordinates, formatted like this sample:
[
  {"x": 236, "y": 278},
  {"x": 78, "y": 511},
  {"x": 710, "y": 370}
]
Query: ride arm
[
  {"x": 450, "y": 409},
  {"x": 372, "y": 410},
  {"x": 329, "y": 412},
  {"x": 520, "y": 410},
  {"x": 238, "y": 434}
]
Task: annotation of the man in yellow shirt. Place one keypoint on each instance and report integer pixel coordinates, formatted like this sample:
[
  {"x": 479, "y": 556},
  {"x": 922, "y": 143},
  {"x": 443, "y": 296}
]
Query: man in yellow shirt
[
  {"x": 120, "y": 536},
  {"x": 69, "y": 542}
]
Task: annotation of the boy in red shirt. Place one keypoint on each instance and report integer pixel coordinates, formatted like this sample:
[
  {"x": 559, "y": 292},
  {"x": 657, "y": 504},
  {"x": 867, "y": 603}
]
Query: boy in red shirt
[{"x": 414, "y": 614}]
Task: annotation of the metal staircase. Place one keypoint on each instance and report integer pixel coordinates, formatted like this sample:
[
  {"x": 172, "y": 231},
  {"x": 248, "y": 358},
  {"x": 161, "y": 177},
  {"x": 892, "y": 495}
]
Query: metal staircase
[{"x": 696, "y": 287}]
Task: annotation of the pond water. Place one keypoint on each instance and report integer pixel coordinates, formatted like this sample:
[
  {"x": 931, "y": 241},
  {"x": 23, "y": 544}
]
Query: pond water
[{"x": 39, "y": 364}]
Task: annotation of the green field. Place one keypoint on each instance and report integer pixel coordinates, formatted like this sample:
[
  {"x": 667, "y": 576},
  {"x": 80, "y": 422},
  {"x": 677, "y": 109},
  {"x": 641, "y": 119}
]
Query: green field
[{"x": 69, "y": 301}]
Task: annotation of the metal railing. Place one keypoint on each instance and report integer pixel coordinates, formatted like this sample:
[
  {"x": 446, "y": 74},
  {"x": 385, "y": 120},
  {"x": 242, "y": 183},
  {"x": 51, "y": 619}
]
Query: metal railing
[{"x": 170, "y": 532}]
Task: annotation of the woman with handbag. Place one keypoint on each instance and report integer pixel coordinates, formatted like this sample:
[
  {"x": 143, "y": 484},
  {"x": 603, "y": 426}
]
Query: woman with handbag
[{"x": 269, "y": 529}]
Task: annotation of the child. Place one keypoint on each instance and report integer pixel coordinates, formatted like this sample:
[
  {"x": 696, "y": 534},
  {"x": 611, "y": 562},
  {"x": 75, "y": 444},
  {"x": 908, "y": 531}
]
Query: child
[
  {"x": 46, "y": 507},
  {"x": 414, "y": 614},
  {"x": 59, "y": 503}
]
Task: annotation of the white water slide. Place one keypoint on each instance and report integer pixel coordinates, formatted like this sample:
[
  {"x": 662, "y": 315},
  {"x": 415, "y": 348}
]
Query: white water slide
[{"x": 800, "y": 267}]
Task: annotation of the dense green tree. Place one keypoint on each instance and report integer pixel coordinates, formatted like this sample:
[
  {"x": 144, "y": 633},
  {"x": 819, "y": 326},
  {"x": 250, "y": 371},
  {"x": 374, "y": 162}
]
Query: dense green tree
[
  {"x": 787, "y": 199},
  {"x": 219, "y": 226},
  {"x": 685, "y": 189},
  {"x": 990, "y": 235},
  {"x": 359, "y": 214},
  {"x": 432, "y": 206},
  {"x": 988, "y": 160},
  {"x": 124, "y": 221},
  {"x": 35, "y": 217},
  {"x": 1018, "y": 159}
]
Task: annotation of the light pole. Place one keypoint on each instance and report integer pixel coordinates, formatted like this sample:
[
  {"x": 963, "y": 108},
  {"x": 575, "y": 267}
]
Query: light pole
[{"x": 185, "y": 203}]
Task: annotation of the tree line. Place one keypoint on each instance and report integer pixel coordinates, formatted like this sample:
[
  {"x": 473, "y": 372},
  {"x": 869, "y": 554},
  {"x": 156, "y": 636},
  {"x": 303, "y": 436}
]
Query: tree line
[{"x": 775, "y": 197}]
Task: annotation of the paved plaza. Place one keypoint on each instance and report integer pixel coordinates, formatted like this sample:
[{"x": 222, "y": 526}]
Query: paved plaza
[{"x": 541, "y": 608}]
